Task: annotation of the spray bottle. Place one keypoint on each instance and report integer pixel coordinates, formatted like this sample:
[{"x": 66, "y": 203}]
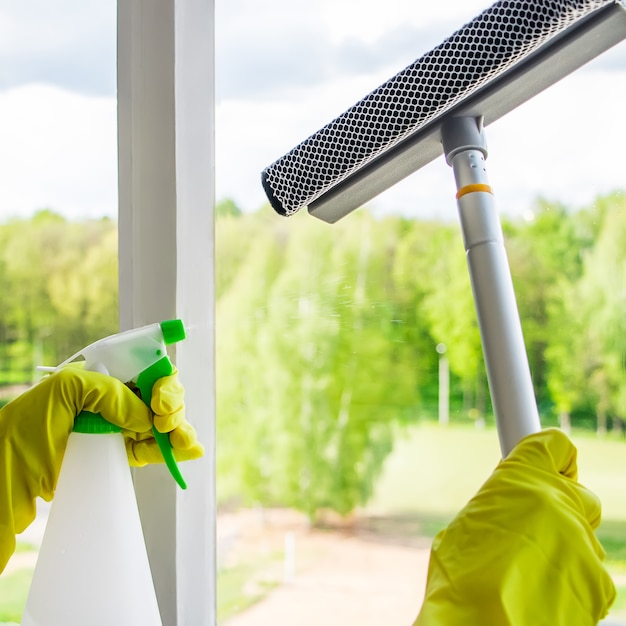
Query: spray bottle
[{"x": 93, "y": 566}]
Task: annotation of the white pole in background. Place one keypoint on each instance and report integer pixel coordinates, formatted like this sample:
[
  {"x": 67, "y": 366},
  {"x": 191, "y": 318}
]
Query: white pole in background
[{"x": 444, "y": 385}]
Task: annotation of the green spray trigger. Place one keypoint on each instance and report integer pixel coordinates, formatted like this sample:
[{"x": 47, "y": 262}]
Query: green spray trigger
[
  {"x": 145, "y": 382},
  {"x": 137, "y": 356}
]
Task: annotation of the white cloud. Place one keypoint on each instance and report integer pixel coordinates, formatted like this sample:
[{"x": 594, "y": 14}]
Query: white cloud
[
  {"x": 66, "y": 42},
  {"x": 268, "y": 48},
  {"x": 565, "y": 144},
  {"x": 370, "y": 21},
  {"x": 57, "y": 150},
  {"x": 285, "y": 69}
]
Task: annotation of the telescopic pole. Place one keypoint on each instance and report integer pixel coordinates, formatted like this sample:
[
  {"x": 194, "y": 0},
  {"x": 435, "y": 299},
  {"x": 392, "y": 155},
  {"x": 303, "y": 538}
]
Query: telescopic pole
[{"x": 504, "y": 351}]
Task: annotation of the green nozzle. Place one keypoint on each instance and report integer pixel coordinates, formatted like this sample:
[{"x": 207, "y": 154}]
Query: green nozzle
[
  {"x": 173, "y": 331},
  {"x": 93, "y": 424}
]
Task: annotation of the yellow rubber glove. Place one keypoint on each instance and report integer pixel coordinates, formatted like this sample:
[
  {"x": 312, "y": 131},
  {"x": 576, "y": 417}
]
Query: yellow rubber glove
[
  {"x": 522, "y": 552},
  {"x": 34, "y": 429},
  {"x": 168, "y": 408}
]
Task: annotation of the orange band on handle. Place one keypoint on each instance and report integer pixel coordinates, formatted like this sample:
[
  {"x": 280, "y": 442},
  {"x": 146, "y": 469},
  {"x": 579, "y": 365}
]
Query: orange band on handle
[{"x": 472, "y": 188}]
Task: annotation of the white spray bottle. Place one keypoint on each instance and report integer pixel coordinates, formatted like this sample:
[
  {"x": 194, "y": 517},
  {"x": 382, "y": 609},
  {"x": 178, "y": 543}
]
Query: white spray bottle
[{"x": 93, "y": 566}]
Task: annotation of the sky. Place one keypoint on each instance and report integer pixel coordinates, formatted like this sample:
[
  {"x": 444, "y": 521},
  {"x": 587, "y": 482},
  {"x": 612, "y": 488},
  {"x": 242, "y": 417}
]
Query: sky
[{"x": 284, "y": 68}]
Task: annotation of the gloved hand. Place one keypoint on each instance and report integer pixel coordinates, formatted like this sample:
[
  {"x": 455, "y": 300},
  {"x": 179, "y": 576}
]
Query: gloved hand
[
  {"x": 522, "y": 552},
  {"x": 168, "y": 409},
  {"x": 34, "y": 429}
]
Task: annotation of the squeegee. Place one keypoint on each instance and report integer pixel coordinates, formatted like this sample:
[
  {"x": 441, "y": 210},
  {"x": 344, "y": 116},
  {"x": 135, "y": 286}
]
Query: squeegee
[{"x": 441, "y": 104}]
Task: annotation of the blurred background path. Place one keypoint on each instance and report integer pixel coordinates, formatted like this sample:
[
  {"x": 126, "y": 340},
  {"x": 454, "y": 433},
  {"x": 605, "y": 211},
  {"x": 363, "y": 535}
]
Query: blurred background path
[{"x": 353, "y": 582}]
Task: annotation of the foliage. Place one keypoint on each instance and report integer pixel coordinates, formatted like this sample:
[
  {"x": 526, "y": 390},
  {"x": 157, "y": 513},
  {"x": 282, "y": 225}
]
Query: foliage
[
  {"x": 309, "y": 390},
  {"x": 59, "y": 290},
  {"x": 326, "y": 335},
  {"x": 326, "y": 340},
  {"x": 545, "y": 257}
]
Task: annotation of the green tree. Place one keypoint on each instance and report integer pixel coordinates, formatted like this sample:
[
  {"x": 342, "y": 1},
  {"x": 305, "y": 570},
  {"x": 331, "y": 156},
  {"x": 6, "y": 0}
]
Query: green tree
[
  {"x": 227, "y": 208},
  {"x": 449, "y": 307},
  {"x": 242, "y": 410},
  {"x": 326, "y": 338},
  {"x": 545, "y": 257},
  {"x": 314, "y": 419},
  {"x": 602, "y": 305},
  {"x": 59, "y": 283}
]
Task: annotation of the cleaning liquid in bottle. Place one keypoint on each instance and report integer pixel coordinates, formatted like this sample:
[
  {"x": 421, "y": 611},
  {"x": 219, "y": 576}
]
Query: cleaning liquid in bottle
[{"x": 93, "y": 568}]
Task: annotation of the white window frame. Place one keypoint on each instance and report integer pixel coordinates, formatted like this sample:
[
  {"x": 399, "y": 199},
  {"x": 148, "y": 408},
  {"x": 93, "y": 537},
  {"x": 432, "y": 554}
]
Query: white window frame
[{"x": 166, "y": 263}]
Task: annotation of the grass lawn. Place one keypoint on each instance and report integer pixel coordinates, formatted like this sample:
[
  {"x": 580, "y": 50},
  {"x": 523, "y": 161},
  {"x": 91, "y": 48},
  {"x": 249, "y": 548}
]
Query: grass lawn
[
  {"x": 430, "y": 475},
  {"x": 436, "y": 470},
  {"x": 235, "y": 592},
  {"x": 433, "y": 471},
  {"x": 240, "y": 587},
  {"x": 13, "y": 592}
]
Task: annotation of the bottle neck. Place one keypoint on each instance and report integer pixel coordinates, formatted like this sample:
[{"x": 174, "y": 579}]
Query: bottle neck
[{"x": 93, "y": 423}]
